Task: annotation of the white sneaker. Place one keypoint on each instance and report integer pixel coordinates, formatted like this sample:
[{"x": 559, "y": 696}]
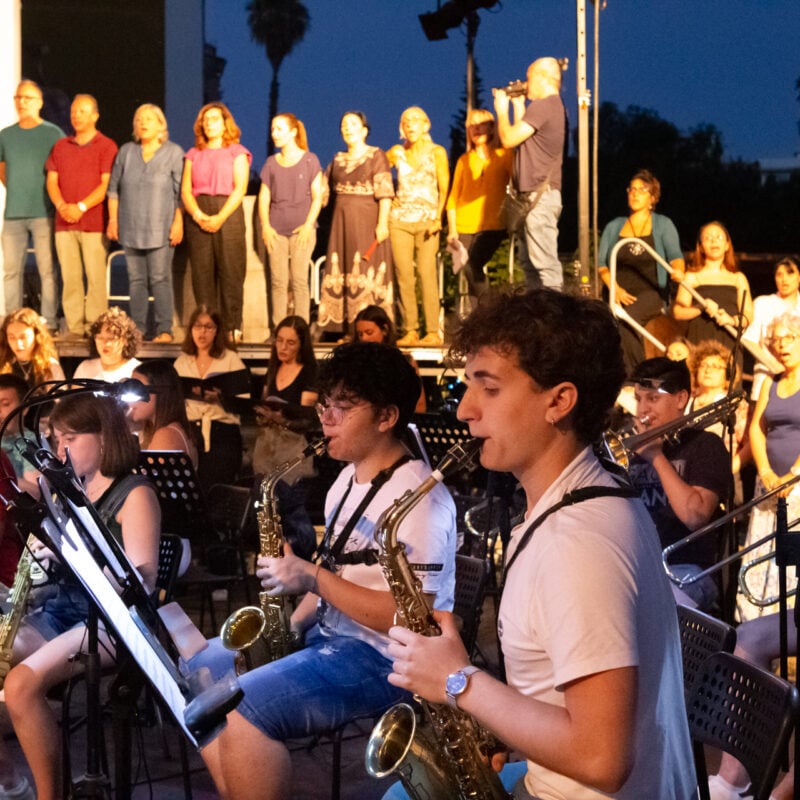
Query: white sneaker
[
  {"x": 720, "y": 789},
  {"x": 22, "y": 791}
]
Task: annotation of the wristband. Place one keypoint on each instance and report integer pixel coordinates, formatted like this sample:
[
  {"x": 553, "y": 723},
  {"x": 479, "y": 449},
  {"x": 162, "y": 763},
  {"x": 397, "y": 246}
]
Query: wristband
[{"x": 82, "y": 207}]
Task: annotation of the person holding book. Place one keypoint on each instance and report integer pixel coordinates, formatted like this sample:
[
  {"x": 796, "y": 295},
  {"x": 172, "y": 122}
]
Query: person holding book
[
  {"x": 115, "y": 340},
  {"x": 285, "y": 414},
  {"x": 205, "y": 356}
]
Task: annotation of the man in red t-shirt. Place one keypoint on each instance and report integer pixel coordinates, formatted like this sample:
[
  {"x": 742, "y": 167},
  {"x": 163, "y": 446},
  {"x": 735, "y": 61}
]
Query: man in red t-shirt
[{"x": 78, "y": 171}]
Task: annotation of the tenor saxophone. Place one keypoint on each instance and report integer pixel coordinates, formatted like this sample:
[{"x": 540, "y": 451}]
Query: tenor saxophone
[
  {"x": 260, "y": 634},
  {"x": 446, "y": 763},
  {"x": 18, "y": 597}
]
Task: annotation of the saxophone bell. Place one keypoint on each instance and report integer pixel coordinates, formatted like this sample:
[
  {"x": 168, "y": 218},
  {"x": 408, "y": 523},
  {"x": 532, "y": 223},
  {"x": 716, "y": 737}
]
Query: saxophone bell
[
  {"x": 396, "y": 746},
  {"x": 263, "y": 634}
]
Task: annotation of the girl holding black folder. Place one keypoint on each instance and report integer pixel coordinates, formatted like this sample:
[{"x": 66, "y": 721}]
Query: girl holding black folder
[{"x": 205, "y": 356}]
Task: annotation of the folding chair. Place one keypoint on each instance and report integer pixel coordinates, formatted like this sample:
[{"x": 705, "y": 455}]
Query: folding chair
[{"x": 745, "y": 711}]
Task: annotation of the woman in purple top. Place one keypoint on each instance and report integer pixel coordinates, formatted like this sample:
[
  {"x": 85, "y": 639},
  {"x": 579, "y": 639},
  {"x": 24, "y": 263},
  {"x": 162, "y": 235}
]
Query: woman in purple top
[
  {"x": 289, "y": 203},
  {"x": 214, "y": 183}
]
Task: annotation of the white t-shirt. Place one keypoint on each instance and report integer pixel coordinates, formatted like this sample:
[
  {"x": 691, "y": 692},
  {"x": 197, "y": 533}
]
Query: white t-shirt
[
  {"x": 428, "y": 532},
  {"x": 91, "y": 368},
  {"x": 588, "y": 594},
  {"x": 766, "y": 308}
]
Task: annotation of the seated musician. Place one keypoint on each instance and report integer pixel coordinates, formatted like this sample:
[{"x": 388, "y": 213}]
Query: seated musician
[
  {"x": 368, "y": 395},
  {"x": 683, "y": 483},
  {"x": 594, "y": 699},
  {"x": 103, "y": 454}
]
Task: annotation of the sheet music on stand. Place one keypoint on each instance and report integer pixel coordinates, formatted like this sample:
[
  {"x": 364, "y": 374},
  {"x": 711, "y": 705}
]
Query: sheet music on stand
[{"x": 67, "y": 527}]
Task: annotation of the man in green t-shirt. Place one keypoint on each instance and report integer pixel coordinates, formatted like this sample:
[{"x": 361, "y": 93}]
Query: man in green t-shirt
[{"x": 24, "y": 148}]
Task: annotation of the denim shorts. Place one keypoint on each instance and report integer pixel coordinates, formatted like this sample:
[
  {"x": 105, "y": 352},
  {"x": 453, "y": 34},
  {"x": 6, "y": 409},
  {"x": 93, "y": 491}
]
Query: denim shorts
[
  {"x": 60, "y": 612},
  {"x": 512, "y": 778},
  {"x": 331, "y": 681}
]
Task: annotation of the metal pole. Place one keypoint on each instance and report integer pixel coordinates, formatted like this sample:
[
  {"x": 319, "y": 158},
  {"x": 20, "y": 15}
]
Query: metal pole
[
  {"x": 473, "y": 20},
  {"x": 584, "y": 100}
]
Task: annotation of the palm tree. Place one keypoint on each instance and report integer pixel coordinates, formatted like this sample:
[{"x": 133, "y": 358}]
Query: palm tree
[{"x": 278, "y": 25}]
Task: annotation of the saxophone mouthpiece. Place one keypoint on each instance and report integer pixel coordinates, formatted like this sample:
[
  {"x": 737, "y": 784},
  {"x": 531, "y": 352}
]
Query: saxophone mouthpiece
[
  {"x": 316, "y": 448},
  {"x": 459, "y": 455}
]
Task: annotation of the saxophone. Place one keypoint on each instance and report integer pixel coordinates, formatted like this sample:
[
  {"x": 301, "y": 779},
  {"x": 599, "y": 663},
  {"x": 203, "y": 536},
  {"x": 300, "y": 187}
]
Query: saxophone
[
  {"x": 18, "y": 597},
  {"x": 262, "y": 634},
  {"x": 449, "y": 764}
]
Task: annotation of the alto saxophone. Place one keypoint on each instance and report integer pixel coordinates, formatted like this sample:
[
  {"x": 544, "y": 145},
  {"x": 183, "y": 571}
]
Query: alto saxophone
[
  {"x": 263, "y": 634},
  {"x": 449, "y": 765},
  {"x": 18, "y": 597}
]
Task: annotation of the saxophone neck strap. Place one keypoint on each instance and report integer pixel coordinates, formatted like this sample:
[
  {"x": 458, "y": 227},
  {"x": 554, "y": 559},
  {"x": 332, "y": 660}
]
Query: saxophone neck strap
[
  {"x": 330, "y": 554},
  {"x": 569, "y": 499}
]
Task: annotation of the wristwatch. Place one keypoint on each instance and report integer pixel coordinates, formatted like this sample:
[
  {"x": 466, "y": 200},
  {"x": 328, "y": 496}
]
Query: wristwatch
[
  {"x": 457, "y": 683},
  {"x": 82, "y": 206}
]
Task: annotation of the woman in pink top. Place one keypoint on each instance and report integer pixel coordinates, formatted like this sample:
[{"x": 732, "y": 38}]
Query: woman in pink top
[{"x": 215, "y": 177}]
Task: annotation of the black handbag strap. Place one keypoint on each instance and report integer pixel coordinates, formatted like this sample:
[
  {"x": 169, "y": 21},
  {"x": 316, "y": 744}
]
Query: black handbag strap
[{"x": 569, "y": 499}]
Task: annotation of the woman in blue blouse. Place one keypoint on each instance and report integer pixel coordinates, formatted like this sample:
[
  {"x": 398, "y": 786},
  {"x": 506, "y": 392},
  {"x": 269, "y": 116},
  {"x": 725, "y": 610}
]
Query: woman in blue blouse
[
  {"x": 144, "y": 214},
  {"x": 641, "y": 282}
]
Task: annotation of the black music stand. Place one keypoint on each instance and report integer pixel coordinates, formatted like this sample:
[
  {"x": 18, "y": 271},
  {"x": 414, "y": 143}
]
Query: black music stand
[
  {"x": 68, "y": 523},
  {"x": 787, "y": 554},
  {"x": 185, "y": 512},
  {"x": 180, "y": 496}
]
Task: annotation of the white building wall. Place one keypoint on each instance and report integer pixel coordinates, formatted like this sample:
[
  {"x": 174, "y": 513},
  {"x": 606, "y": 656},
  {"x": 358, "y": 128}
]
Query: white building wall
[{"x": 10, "y": 60}]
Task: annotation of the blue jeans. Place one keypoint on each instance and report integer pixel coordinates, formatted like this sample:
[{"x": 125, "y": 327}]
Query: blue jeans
[
  {"x": 332, "y": 680},
  {"x": 510, "y": 776},
  {"x": 15, "y": 246},
  {"x": 704, "y": 592},
  {"x": 151, "y": 271},
  {"x": 538, "y": 250}
]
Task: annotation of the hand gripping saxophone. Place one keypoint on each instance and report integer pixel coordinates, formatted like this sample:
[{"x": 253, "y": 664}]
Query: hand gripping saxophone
[
  {"x": 18, "y": 597},
  {"x": 448, "y": 764},
  {"x": 263, "y": 634}
]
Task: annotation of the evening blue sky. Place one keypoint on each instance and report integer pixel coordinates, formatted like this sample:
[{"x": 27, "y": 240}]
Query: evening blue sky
[{"x": 733, "y": 64}]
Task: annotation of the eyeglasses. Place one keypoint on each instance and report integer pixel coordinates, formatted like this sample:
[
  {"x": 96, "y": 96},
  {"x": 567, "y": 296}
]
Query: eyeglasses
[
  {"x": 30, "y": 97},
  {"x": 789, "y": 338},
  {"x": 637, "y": 190},
  {"x": 336, "y": 414},
  {"x": 200, "y": 326},
  {"x": 712, "y": 365},
  {"x": 106, "y": 339}
]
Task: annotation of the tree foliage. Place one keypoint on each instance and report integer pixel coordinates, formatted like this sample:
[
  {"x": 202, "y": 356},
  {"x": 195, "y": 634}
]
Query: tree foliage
[
  {"x": 697, "y": 183},
  {"x": 277, "y": 25}
]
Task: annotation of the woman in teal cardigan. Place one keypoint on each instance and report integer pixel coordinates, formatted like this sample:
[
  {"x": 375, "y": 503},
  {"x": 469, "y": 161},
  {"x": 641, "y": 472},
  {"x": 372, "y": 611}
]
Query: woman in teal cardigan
[{"x": 641, "y": 282}]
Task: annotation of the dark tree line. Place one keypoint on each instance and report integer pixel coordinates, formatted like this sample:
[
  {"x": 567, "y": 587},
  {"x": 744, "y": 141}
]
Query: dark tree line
[{"x": 698, "y": 184}]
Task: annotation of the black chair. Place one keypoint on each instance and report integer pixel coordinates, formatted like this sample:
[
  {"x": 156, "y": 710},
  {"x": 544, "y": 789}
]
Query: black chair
[
  {"x": 471, "y": 580},
  {"x": 745, "y": 711},
  {"x": 701, "y": 635}
]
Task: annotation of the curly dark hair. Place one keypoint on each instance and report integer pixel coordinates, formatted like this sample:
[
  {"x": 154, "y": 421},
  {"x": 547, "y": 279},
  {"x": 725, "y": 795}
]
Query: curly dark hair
[
  {"x": 376, "y": 373},
  {"x": 121, "y": 326},
  {"x": 555, "y": 337}
]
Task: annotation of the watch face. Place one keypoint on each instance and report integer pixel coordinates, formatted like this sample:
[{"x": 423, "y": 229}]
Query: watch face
[{"x": 456, "y": 683}]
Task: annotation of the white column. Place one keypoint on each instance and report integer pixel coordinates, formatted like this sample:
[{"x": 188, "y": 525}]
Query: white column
[{"x": 10, "y": 64}]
